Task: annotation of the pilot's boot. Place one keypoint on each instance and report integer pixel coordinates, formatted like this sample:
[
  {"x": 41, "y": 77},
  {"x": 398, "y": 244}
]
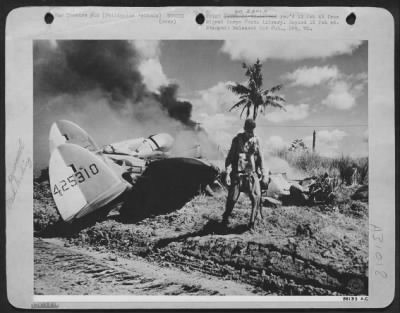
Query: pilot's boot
[
  {"x": 225, "y": 217},
  {"x": 233, "y": 196},
  {"x": 253, "y": 216},
  {"x": 251, "y": 226},
  {"x": 228, "y": 210}
]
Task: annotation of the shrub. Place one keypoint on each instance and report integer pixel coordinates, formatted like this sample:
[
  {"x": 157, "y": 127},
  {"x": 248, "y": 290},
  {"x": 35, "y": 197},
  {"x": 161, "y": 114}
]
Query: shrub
[
  {"x": 363, "y": 169},
  {"x": 314, "y": 164}
]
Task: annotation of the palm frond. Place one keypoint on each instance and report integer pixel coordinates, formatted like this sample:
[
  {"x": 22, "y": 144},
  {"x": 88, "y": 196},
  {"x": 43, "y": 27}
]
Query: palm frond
[
  {"x": 241, "y": 113},
  {"x": 238, "y": 104},
  {"x": 275, "y": 99},
  {"x": 276, "y": 88},
  {"x": 252, "y": 98},
  {"x": 273, "y": 104},
  {"x": 273, "y": 89},
  {"x": 239, "y": 89}
]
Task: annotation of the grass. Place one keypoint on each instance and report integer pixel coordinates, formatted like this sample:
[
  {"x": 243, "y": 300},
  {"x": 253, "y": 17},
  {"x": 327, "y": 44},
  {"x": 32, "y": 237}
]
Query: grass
[{"x": 314, "y": 164}]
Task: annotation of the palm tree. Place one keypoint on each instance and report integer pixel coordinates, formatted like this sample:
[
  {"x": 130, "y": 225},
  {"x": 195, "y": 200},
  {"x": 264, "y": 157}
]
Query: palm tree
[{"x": 253, "y": 96}]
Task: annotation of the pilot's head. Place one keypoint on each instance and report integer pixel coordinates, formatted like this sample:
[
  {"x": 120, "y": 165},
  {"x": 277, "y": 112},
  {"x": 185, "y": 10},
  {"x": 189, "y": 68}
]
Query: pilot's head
[{"x": 249, "y": 126}]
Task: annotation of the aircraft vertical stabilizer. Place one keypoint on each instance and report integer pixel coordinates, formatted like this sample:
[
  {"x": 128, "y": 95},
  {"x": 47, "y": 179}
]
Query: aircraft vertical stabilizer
[
  {"x": 68, "y": 132},
  {"x": 81, "y": 182}
]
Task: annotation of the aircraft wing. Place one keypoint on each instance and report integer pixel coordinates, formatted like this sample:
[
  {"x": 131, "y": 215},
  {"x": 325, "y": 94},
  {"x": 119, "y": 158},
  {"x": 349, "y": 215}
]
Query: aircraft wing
[
  {"x": 154, "y": 145},
  {"x": 166, "y": 185}
]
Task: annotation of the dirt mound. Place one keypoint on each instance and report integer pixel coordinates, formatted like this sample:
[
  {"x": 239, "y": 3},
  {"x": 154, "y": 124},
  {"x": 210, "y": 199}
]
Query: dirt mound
[
  {"x": 295, "y": 250},
  {"x": 326, "y": 259},
  {"x": 45, "y": 214}
]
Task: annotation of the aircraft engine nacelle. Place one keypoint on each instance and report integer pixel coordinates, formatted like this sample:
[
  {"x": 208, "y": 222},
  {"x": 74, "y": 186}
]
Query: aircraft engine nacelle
[{"x": 160, "y": 142}]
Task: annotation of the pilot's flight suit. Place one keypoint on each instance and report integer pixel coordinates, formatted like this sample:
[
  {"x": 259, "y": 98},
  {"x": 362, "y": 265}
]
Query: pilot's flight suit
[{"x": 246, "y": 162}]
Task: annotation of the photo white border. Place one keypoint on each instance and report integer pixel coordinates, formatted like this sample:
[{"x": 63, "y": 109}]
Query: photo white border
[{"x": 27, "y": 24}]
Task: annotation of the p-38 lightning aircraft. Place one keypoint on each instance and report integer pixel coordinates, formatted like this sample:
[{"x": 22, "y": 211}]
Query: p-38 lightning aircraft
[{"x": 85, "y": 178}]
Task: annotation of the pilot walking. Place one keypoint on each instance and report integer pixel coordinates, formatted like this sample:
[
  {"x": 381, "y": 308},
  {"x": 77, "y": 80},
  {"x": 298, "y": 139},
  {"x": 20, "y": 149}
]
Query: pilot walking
[{"x": 244, "y": 166}]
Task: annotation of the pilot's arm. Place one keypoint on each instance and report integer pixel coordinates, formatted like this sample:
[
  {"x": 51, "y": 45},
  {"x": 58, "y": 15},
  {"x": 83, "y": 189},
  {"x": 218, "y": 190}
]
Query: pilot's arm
[
  {"x": 229, "y": 161},
  {"x": 261, "y": 163}
]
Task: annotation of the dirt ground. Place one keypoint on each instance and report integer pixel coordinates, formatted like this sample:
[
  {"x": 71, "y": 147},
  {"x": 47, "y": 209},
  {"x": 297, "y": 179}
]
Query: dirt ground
[
  {"x": 81, "y": 271},
  {"x": 318, "y": 250}
]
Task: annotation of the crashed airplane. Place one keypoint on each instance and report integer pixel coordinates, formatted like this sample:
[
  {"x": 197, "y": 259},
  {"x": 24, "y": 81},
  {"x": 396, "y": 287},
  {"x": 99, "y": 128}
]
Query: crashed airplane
[
  {"x": 140, "y": 174},
  {"x": 307, "y": 191},
  {"x": 85, "y": 179},
  {"x": 282, "y": 190}
]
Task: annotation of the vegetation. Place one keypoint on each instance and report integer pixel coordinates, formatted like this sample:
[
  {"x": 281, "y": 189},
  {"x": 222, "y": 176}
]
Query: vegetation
[
  {"x": 298, "y": 144},
  {"x": 314, "y": 164},
  {"x": 252, "y": 96}
]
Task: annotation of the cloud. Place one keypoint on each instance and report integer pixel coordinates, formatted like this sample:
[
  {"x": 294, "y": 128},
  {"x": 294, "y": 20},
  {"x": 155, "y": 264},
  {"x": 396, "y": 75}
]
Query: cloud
[
  {"x": 341, "y": 96},
  {"x": 363, "y": 152},
  {"x": 365, "y": 135},
  {"x": 327, "y": 142},
  {"x": 153, "y": 74},
  {"x": 250, "y": 50},
  {"x": 148, "y": 49},
  {"x": 293, "y": 112},
  {"x": 345, "y": 91},
  {"x": 311, "y": 76},
  {"x": 331, "y": 137},
  {"x": 216, "y": 99}
]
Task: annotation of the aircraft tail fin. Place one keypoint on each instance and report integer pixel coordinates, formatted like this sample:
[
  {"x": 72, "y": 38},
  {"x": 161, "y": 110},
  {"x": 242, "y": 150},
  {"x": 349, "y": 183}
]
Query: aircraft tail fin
[
  {"x": 64, "y": 131},
  {"x": 81, "y": 182}
]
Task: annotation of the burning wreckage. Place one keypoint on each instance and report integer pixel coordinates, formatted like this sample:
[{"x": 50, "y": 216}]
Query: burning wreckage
[
  {"x": 88, "y": 181},
  {"x": 307, "y": 191}
]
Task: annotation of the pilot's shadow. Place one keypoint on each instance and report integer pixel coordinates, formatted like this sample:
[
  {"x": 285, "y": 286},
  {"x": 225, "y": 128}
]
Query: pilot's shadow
[{"x": 211, "y": 227}]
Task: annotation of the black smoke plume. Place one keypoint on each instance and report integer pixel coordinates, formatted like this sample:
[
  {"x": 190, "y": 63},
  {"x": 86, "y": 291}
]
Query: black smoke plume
[
  {"x": 179, "y": 110},
  {"x": 97, "y": 84},
  {"x": 107, "y": 66}
]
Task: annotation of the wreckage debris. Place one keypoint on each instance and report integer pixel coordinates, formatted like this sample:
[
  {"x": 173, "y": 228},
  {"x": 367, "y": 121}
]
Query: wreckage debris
[{"x": 361, "y": 194}]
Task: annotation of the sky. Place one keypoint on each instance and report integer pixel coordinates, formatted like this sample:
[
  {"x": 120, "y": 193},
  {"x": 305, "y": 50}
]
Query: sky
[
  {"x": 112, "y": 90},
  {"x": 325, "y": 89}
]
